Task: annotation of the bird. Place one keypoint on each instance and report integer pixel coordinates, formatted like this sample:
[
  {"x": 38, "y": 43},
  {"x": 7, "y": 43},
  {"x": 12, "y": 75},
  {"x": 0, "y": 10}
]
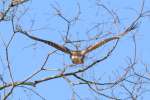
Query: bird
[{"x": 77, "y": 56}]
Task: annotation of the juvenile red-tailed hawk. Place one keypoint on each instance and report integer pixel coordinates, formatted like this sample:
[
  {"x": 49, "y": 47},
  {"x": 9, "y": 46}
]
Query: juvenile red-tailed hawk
[{"x": 77, "y": 57}]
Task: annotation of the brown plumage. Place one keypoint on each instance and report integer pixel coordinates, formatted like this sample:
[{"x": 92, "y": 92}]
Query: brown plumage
[{"x": 77, "y": 57}]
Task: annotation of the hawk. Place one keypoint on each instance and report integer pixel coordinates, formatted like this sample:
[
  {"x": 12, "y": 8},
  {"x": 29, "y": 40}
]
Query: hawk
[{"x": 77, "y": 56}]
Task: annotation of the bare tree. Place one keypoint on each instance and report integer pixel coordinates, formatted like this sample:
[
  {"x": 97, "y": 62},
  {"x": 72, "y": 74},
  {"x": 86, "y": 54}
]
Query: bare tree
[{"x": 33, "y": 54}]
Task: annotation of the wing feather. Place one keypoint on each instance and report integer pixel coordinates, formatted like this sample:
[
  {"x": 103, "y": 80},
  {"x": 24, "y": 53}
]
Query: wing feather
[
  {"x": 98, "y": 44},
  {"x": 116, "y": 37},
  {"x": 50, "y": 43}
]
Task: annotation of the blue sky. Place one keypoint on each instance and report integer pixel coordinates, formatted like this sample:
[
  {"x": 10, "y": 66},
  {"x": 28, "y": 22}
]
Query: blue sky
[{"x": 27, "y": 56}]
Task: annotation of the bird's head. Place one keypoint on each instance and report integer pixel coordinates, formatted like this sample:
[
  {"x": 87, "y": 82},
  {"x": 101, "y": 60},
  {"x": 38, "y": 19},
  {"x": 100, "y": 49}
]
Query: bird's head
[{"x": 77, "y": 57}]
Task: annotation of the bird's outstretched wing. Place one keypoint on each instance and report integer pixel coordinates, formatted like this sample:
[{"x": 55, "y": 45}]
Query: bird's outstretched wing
[
  {"x": 99, "y": 44},
  {"x": 116, "y": 37},
  {"x": 50, "y": 43}
]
